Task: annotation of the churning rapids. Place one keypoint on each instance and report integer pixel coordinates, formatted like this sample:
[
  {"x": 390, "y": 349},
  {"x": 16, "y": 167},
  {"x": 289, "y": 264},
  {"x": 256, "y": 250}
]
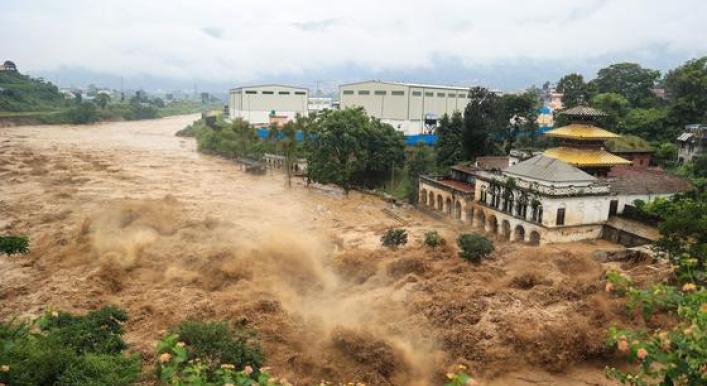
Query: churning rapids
[{"x": 128, "y": 214}]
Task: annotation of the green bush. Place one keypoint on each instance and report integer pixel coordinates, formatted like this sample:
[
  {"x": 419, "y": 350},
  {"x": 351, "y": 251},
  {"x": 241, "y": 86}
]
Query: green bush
[
  {"x": 64, "y": 349},
  {"x": 433, "y": 239},
  {"x": 212, "y": 345},
  {"x": 394, "y": 238},
  {"x": 474, "y": 247},
  {"x": 11, "y": 245},
  {"x": 83, "y": 113}
]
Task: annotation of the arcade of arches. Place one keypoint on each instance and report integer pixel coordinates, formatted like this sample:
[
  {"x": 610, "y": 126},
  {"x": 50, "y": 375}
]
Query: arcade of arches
[{"x": 465, "y": 210}]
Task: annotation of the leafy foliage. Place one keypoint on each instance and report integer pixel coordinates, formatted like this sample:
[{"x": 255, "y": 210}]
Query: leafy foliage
[
  {"x": 395, "y": 237},
  {"x": 630, "y": 80},
  {"x": 11, "y": 245},
  {"x": 349, "y": 148},
  {"x": 474, "y": 247},
  {"x": 483, "y": 117},
  {"x": 67, "y": 350},
  {"x": 687, "y": 87},
  {"x": 208, "y": 344},
  {"x": 24, "y": 93},
  {"x": 433, "y": 239},
  {"x": 574, "y": 90},
  {"x": 419, "y": 162},
  {"x": 449, "y": 140}
]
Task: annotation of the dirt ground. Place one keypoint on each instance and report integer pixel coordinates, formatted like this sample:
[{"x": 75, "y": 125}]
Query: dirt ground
[{"x": 128, "y": 214}]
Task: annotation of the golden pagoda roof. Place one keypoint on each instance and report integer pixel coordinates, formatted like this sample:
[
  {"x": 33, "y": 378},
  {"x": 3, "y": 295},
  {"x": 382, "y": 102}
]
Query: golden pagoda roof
[
  {"x": 585, "y": 157},
  {"x": 582, "y": 132}
]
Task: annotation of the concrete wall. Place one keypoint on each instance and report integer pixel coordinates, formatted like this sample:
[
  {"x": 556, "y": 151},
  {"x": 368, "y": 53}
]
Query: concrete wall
[
  {"x": 403, "y": 105},
  {"x": 454, "y": 205},
  {"x": 255, "y": 103}
]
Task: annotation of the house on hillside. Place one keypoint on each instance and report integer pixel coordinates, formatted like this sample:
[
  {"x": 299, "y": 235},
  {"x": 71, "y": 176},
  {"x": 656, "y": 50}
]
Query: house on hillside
[
  {"x": 8, "y": 66},
  {"x": 692, "y": 143}
]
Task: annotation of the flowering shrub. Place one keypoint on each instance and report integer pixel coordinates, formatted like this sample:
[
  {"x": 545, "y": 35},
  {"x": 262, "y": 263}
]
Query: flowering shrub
[
  {"x": 175, "y": 367},
  {"x": 64, "y": 349},
  {"x": 677, "y": 356},
  {"x": 207, "y": 351}
]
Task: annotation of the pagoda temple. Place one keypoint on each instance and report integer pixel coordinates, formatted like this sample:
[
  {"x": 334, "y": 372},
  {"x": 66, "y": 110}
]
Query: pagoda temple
[{"x": 582, "y": 142}]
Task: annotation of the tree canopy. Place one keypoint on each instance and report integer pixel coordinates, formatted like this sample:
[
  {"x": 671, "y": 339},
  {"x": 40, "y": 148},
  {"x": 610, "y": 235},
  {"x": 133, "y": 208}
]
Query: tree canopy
[
  {"x": 349, "y": 148},
  {"x": 630, "y": 80},
  {"x": 483, "y": 117},
  {"x": 574, "y": 90}
]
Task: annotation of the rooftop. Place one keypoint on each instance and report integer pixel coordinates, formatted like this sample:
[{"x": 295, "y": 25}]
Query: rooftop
[
  {"x": 541, "y": 167},
  {"x": 581, "y": 131},
  {"x": 627, "y": 180},
  {"x": 420, "y": 85},
  {"x": 583, "y": 112},
  {"x": 492, "y": 163},
  {"x": 585, "y": 157}
]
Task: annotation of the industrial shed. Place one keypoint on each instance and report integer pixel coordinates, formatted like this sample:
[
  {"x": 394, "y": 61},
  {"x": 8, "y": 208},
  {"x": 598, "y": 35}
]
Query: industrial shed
[
  {"x": 258, "y": 103},
  {"x": 411, "y": 108}
]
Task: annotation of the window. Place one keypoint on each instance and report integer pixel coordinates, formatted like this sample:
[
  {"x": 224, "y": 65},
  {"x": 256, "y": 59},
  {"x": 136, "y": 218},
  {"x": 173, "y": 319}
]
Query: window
[
  {"x": 561, "y": 216},
  {"x": 429, "y": 94},
  {"x": 417, "y": 93},
  {"x": 440, "y": 94},
  {"x": 300, "y": 93},
  {"x": 380, "y": 92},
  {"x": 397, "y": 93},
  {"x": 267, "y": 92},
  {"x": 348, "y": 92},
  {"x": 613, "y": 207},
  {"x": 284, "y": 93},
  {"x": 364, "y": 92},
  {"x": 452, "y": 95},
  {"x": 251, "y": 92}
]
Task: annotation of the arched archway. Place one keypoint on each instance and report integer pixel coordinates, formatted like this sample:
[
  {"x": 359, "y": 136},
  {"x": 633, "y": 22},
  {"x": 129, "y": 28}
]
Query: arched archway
[
  {"x": 519, "y": 234},
  {"x": 423, "y": 197},
  {"x": 448, "y": 206},
  {"x": 480, "y": 218},
  {"x": 440, "y": 203},
  {"x": 431, "y": 200},
  {"x": 506, "y": 227},
  {"x": 458, "y": 210},
  {"x": 534, "y": 238},
  {"x": 492, "y": 224}
]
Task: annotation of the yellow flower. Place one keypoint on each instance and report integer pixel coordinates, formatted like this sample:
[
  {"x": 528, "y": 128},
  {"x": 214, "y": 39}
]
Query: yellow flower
[
  {"x": 689, "y": 287},
  {"x": 642, "y": 353},
  {"x": 164, "y": 358},
  {"x": 5, "y": 368},
  {"x": 55, "y": 314}
]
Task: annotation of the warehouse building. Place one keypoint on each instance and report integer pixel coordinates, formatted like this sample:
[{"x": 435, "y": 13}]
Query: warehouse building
[
  {"x": 258, "y": 104},
  {"x": 409, "y": 107}
]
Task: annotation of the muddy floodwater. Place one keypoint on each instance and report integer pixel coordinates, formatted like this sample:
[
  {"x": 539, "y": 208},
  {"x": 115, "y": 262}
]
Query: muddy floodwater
[{"x": 126, "y": 213}]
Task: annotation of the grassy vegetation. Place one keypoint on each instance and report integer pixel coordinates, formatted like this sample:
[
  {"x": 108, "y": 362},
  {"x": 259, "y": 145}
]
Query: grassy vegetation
[{"x": 21, "y": 93}]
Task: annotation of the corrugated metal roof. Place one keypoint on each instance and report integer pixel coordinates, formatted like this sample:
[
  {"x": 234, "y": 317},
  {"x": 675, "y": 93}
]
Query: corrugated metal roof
[
  {"x": 420, "y": 85},
  {"x": 545, "y": 168},
  {"x": 585, "y": 157},
  {"x": 684, "y": 136},
  {"x": 583, "y": 111},
  {"x": 270, "y": 85},
  {"x": 581, "y": 131}
]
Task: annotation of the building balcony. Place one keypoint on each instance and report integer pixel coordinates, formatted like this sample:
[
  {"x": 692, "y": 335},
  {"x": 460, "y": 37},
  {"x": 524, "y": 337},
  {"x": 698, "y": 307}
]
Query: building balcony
[{"x": 446, "y": 183}]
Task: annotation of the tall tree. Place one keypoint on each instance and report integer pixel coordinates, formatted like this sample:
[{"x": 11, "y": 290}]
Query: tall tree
[
  {"x": 615, "y": 106},
  {"x": 630, "y": 80},
  {"x": 449, "y": 140},
  {"x": 687, "y": 90},
  {"x": 418, "y": 163},
  {"x": 574, "y": 90},
  {"x": 483, "y": 117},
  {"x": 289, "y": 148},
  {"x": 349, "y": 148},
  {"x": 520, "y": 112}
]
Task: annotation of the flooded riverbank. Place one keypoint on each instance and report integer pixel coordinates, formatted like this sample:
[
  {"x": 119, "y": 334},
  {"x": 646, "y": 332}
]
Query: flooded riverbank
[{"x": 128, "y": 214}]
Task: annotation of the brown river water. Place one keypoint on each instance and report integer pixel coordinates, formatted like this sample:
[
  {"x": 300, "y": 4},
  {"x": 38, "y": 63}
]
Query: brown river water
[{"x": 126, "y": 213}]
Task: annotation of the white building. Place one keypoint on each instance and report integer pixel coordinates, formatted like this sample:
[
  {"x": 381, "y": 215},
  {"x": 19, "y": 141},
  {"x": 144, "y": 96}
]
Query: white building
[
  {"x": 258, "y": 103},
  {"x": 409, "y": 107},
  {"x": 317, "y": 104}
]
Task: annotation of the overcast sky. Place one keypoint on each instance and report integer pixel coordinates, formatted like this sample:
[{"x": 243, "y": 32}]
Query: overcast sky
[{"x": 500, "y": 43}]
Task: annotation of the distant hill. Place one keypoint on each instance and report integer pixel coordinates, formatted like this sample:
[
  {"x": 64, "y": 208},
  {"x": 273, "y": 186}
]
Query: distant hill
[{"x": 22, "y": 93}]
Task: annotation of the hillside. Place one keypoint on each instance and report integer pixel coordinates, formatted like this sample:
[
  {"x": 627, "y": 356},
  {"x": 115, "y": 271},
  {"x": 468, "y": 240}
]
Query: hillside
[{"x": 22, "y": 93}]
